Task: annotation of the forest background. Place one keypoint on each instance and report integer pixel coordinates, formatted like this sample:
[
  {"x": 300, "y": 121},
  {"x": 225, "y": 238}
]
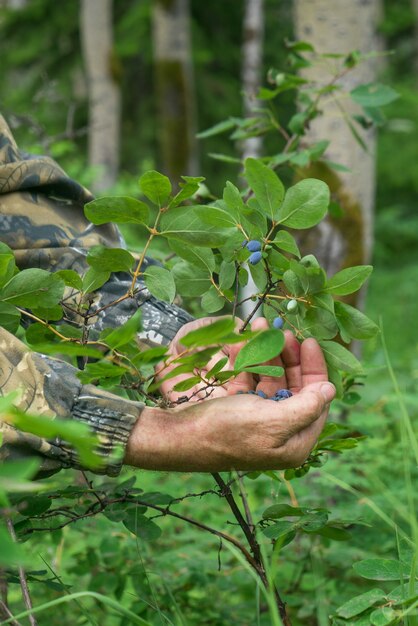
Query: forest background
[{"x": 47, "y": 98}]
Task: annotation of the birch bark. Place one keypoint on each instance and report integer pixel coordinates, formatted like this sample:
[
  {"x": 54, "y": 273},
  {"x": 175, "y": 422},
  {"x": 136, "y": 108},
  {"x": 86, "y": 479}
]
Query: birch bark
[{"x": 103, "y": 90}]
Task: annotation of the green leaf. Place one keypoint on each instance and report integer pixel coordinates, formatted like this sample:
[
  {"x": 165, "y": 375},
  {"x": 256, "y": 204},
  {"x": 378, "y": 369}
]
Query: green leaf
[
  {"x": 348, "y": 280},
  {"x": 7, "y": 264},
  {"x": 160, "y": 282},
  {"x": 185, "y": 385},
  {"x": 50, "y": 314},
  {"x": 227, "y": 274},
  {"x": 76, "y": 433},
  {"x": 339, "y": 357},
  {"x": 265, "y": 346},
  {"x": 11, "y": 553},
  {"x": 211, "y": 300},
  {"x": 265, "y": 370},
  {"x": 191, "y": 281},
  {"x": 278, "y": 262},
  {"x": 267, "y": 186},
  {"x": 286, "y": 242},
  {"x": 276, "y": 511},
  {"x": 374, "y": 95},
  {"x": 34, "y": 505},
  {"x": 320, "y": 323},
  {"x": 99, "y": 371},
  {"x": 305, "y": 204},
  {"x": 110, "y": 259},
  {"x": 312, "y": 522},
  {"x": 123, "y": 334},
  {"x": 383, "y": 615},
  {"x": 141, "y": 526},
  {"x": 381, "y": 569},
  {"x": 217, "y": 368},
  {"x": 209, "y": 334},
  {"x": 188, "y": 188},
  {"x": 184, "y": 224},
  {"x": 9, "y": 317},
  {"x": 233, "y": 200},
  {"x": 71, "y": 279},
  {"x": 119, "y": 209},
  {"x": 94, "y": 279},
  {"x": 33, "y": 287},
  {"x": 217, "y": 215},
  {"x": 20, "y": 469},
  {"x": 323, "y": 301},
  {"x": 353, "y": 322},
  {"x": 156, "y": 187},
  {"x": 293, "y": 283},
  {"x": 335, "y": 533},
  {"x": 280, "y": 529},
  {"x": 225, "y": 158},
  {"x": 221, "y": 127},
  {"x": 198, "y": 257},
  {"x": 360, "y": 603}
]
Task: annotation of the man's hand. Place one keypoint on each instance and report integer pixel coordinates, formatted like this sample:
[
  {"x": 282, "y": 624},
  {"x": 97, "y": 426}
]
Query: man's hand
[
  {"x": 241, "y": 432},
  {"x": 242, "y": 382}
]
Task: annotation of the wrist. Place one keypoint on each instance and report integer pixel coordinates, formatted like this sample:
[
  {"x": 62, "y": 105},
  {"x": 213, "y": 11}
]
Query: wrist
[{"x": 160, "y": 441}]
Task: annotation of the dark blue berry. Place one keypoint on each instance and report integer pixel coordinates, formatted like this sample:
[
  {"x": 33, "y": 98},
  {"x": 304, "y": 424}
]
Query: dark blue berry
[
  {"x": 278, "y": 322},
  {"x": 283, "y": 393},
  {"x": 255, "y": 258},
  {"x": 254, "y": 245},
  {"x": 262, "y": 394}
]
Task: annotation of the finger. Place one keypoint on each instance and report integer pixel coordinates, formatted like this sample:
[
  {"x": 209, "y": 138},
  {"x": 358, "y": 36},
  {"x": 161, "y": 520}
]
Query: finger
[
  {"x": 300, "y": 445},
  {"x": 242, "y": 382},
  {"x": 305, "y": 408},
  {"x": 291, "y": 360},
  {"x": 313, "y": 365},
  {"x": 269, "y": 384}
]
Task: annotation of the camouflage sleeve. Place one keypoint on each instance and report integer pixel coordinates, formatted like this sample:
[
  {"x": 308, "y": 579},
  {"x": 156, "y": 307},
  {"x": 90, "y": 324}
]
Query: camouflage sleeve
[
  {"x": 50, "y": 387},
  {"x": 42, "y": 220}
]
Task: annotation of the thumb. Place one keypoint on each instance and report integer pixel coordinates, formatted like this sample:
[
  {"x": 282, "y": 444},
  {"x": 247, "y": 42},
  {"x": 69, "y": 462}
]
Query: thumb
[
  {"x": 326, "y": 389},
  {"x": 307, "y": 406}
]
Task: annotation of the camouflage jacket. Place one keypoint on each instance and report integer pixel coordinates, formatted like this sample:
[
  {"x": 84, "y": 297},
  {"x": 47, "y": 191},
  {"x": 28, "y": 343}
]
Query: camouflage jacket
[{"x": 42, "y": 220}]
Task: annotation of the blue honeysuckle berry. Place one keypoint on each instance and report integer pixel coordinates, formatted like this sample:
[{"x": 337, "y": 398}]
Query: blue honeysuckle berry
[
  {"x": 278, "y": 322},
  {"x": 262, "y": 394},
  {"x": 254, "y": 245},
  {"x": 255, "y": 258},
  {"x": 283, "y": 394}
]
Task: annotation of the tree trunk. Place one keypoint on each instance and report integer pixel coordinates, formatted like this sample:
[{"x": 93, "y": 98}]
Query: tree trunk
[
  {"x": 174, "y": 88},
  {"x": 338, "y": 26},
  {"x": 104, "y": 94},
  {"x": 252, "y": 63}
]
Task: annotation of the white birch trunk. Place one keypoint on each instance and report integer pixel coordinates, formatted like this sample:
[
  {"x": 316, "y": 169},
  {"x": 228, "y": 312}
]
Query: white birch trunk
[
  {"x": 252, "y": 63},
  {"x": 341, "y": 26},
  {"x": 175, "y": 88},
  {"x": 104, "y": 94}
]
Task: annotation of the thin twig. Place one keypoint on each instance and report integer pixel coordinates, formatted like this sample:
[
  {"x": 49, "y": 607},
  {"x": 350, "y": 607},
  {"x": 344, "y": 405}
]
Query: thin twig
[
  {"x": 22, "y": 577},
  {"x": 5, "y": 612}
]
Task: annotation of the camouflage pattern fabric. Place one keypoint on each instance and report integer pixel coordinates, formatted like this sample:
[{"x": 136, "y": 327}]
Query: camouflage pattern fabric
[
  {"x": 42, "y": 220},
  {"x": 50, "y": 387}
]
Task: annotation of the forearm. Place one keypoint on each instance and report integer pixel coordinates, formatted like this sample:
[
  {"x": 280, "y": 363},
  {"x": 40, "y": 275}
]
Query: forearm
[{"x": 50, "y": 387}]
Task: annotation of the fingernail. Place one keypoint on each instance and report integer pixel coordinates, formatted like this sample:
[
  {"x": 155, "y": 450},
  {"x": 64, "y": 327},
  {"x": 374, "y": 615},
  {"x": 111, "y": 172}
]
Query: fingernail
[{"x": 328, "y": 391}]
